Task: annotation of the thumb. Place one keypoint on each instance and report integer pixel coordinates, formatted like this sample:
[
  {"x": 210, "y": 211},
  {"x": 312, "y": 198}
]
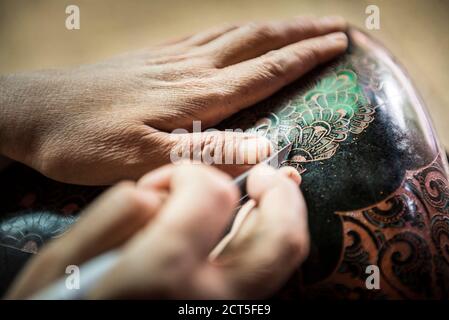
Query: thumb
[{"x": 232, "y": 152}]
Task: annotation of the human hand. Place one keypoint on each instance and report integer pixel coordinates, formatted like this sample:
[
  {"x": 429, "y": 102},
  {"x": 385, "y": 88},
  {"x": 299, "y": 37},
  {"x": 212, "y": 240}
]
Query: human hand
[
  {"x": 100, "y": 123},
  {"x": 166, "y": 227}
]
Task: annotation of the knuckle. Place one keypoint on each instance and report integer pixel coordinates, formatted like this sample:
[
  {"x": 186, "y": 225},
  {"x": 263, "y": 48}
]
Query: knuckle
[
  {"x": 213, "y": 147},
  {"x": 309, "y": 55},
  {"x": 127, "y": 193},
  {"x": 257, "y": 30},
  {"x": 219, "y": 189},
  {"x": 273, "y": 65},
  {"x": 286, "y": 184},
  {"x": 264, "y": 30}
]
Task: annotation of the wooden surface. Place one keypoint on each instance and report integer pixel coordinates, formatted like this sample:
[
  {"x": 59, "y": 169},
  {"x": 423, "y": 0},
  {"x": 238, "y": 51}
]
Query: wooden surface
[{"x": 33, "y": 33}]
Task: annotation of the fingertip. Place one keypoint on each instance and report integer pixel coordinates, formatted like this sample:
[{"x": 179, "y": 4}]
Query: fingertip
[
  {"x": 205, "y": 178},
  {"x": 220, "y": 184},
  {"x": 338, "y": 38}
]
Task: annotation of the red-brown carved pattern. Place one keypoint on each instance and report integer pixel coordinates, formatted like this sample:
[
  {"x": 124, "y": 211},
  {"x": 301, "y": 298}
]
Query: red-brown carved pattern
[{"x": 406, "y": 235}]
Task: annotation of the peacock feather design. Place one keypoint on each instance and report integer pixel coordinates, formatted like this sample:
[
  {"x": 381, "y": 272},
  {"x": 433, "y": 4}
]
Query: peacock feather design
[{"x": 319, "y": 117}]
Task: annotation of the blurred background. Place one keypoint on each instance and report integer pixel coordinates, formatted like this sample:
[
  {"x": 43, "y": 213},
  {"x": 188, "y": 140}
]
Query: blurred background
[{"x": 33, "y": 33}]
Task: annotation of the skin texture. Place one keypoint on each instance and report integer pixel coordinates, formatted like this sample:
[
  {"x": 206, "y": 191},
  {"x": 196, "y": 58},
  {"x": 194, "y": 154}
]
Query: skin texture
[
  {"x": 101, "y": 123},
  {"x": 165, "y": 246}
]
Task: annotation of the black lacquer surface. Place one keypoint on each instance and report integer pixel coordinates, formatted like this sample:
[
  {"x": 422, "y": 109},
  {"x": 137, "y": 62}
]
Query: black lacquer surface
[
  {"x": 374, "y": 178},
  {"x": 362, "y": 134}
]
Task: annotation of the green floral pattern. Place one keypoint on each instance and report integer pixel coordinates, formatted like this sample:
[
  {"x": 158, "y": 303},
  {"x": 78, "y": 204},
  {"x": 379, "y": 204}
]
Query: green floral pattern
[{"x": 319, "y": 117}]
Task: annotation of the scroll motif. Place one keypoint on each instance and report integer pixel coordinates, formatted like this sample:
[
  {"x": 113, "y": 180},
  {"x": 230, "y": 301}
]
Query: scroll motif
[
  {"x": 391, "y": 234},
  {"x": 395, "y": 212}
]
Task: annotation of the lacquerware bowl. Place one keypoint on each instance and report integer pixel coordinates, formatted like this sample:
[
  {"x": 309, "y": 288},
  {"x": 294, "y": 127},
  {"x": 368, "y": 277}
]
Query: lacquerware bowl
[{"x": 374, "y": 177}]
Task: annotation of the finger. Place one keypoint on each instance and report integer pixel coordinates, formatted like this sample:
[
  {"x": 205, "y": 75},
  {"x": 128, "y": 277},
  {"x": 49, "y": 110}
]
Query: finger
[
  {"x": 208, "y": 35},
  {"x": 272, "y": 241},
  {"x": 246, "y": 83},
  {"x": 111, "y": 220},
  {"x": 200, "y": 196},
  {"x": 265, "y": 75},
  {"x": 264, "y": 184},
  {"x": 232, "y": 152},
  {"x": 292, "y": 174},
  {"x": 160, "y": 178},
  {"x": 289, "y": 172},
  {"x": 255, "y": 39}
]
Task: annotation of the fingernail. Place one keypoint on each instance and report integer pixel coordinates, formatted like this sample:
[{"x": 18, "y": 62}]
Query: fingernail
[
  {"x": 337, "y": 37},
  {"x": 294, "y": 175}
]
